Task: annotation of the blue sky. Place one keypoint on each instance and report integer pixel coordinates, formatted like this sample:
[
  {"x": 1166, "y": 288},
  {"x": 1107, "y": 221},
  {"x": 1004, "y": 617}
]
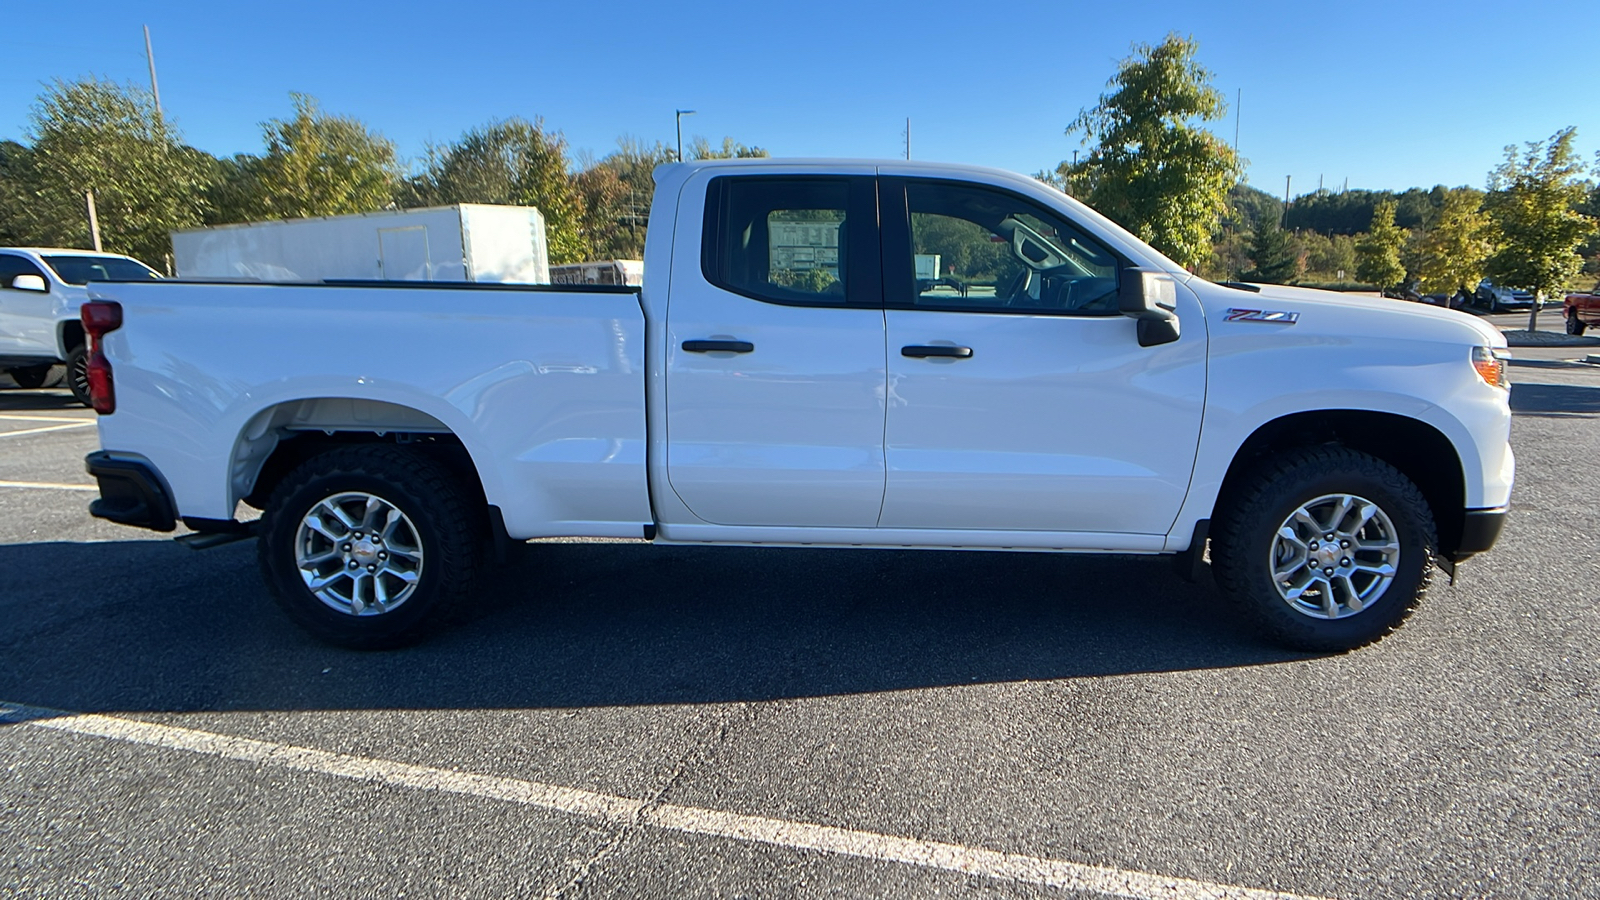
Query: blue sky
[{"x": 1387, "y": 94}]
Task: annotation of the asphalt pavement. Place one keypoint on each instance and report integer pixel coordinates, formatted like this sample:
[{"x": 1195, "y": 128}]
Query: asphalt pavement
[{"x": 616, "y": 719}]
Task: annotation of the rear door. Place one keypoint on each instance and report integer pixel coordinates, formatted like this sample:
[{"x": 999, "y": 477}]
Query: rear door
[
  {"x": 1019, "y": 397},
  {"x": 775, "y": 355}
]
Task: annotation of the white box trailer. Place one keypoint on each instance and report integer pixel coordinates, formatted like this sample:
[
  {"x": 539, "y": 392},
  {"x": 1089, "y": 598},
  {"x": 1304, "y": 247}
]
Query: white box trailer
[{"x": 464, "y": 242}]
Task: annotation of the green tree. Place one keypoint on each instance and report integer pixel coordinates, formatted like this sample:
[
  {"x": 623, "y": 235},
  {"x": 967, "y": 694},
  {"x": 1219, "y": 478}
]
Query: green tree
[
  {"x": 1532, "y": 205},
  {"x": 96, "y": 135},
  {"x": 1378, "y": 251},
  {"x": 16, "y": 180},
  {"x": 1329, "y": 257},
  {"x": 1455, "y": 248},
  {"x": 318, "y": 164},
  {"x": 1153, "y": 169},
  {"x": 513, "y": 162},
  {"x": 730, "y": 149},
  {"x": 1275, "y": 255}
]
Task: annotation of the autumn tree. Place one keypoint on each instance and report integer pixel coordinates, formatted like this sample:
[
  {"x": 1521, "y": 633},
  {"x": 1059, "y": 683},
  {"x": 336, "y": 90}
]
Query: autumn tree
[
  {"x": 1532, "y": 204},
  {"x": 98, "y": 136},
  {"x": 1378, "y": 251},
  {"x": 1153, "y": 168},
  {"x": 1453, "y": 251}
]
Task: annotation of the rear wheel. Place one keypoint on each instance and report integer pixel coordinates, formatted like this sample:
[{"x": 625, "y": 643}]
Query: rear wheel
[
  {"x": 1326, "y": 549},
  {"x": 371, "y": 547},
  {"x": 31, "y": 376},
  {"x": 78, "y": 374}
]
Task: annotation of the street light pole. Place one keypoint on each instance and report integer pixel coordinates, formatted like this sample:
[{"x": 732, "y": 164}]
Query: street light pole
[
  {"x": 681, "y": 114},
  {"x": 155, "y": 89}
]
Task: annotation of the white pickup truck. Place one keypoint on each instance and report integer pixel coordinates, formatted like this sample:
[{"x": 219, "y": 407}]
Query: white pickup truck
[
  {"x": 784, "y": 378},
  {"x": 41, "y": 290}
]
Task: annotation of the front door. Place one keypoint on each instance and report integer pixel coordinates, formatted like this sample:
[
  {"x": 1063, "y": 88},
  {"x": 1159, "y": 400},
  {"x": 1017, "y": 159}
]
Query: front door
[
  {"x": 775, "y": 353},
  {"x": 27, "y": 318},
  {"x": 1019, "y": 398}
]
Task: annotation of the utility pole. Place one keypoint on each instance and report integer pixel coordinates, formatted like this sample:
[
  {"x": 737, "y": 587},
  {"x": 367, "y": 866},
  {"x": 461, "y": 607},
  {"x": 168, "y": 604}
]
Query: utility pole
[
  {"x": 94, "y": 219},
  {"x": 1286, "y": 179},
  {"x": 154, "y": 88},
  {"x": 908, "y": 138},
  {"x": 681, "y": 114},
  {"x": 1238, "y": 103}
]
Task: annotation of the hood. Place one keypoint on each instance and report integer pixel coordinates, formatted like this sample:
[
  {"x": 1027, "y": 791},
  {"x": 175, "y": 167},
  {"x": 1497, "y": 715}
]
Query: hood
[{"x": 1330, "y": 311}]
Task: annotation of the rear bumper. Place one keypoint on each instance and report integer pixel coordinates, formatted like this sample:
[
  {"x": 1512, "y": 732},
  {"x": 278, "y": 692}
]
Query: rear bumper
[
  {"x": 1480, "y": 528},
  {"x": 131, "y": 492}
]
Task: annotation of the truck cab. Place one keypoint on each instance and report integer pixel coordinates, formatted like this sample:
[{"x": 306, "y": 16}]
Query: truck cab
[{"x": 40, "y": 292}]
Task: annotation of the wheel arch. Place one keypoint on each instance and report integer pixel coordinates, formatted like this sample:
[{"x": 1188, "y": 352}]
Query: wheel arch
[
  {"x": 1419, "y": 450},
  {"x": 69, "y": 336},
  {"x": 285, "y": 434}
]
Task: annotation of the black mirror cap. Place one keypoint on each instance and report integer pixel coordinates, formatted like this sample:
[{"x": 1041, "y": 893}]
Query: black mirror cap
[{"x": 1153, "y": 332}]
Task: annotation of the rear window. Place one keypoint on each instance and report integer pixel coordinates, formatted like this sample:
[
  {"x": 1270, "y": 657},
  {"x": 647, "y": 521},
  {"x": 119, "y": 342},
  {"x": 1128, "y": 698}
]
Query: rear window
[{"x": 84, "y": 269}]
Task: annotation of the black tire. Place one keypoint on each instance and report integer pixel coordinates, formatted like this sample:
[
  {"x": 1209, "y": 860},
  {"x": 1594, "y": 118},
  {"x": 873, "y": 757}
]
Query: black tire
[
  {"x": 78, "y": 374},
  {"x": 449, "y": 528},
  {"x": 1575, "y": 326},
  {"x": 31, "y": 376},
  {"x": 1243, "y": 540}
]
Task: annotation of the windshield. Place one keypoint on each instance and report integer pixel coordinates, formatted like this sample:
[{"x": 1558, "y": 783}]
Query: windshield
[{"x": 84, "y": 269}]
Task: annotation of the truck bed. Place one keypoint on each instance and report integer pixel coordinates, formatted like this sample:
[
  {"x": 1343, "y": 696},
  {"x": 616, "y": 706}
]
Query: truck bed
[{"x": 543, "y": 386}]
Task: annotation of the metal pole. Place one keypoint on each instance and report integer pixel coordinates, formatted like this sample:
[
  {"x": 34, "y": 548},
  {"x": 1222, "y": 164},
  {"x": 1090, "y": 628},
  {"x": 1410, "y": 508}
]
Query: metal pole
[
  {"x": 681, "y": 113},
  {"x": 94, "y": 220},
  {"x": 908, "y": 137},
  {"x": 1286, "y": 179},
  {"x": 1238, "y": 104},
  {"x": 154, "y": 88}
]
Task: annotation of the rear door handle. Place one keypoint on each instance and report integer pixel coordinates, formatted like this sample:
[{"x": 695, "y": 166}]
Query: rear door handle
[
  {"x": 919, "y": 351},
  {"x": 718, "y": 346}
]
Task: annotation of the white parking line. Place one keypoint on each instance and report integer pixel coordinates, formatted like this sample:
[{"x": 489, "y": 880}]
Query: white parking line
[
  {"x": 49, "y": 486},
  {"x": 6, "y": 434},
  {"x": 45, "y": 418},
  {"x": 1011, "y": 867}
]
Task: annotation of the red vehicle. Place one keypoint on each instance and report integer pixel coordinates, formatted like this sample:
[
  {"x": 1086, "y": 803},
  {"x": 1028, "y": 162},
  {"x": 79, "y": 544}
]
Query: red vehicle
[{"x": 1581, "y": 310}]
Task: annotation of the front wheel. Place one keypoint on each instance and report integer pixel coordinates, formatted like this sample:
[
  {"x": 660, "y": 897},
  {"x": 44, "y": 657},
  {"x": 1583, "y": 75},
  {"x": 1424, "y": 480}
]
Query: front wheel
[
  {"x": 371, "y": 547},
  {"x": 1575, "y": 326},
  {"x": 1325, "y": 549}
]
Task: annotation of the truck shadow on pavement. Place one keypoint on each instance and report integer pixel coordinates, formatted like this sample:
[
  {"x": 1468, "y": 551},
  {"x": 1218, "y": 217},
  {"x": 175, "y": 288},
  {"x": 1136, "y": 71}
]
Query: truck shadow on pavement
[
  {"x": 17, "y": 400},
  {"x": 1555, "y": 400},
  {"x": 149, "y": 625}
]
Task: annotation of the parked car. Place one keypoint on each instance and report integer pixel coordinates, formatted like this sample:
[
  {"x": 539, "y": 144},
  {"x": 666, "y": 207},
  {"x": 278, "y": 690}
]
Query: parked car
[
  {"x": 781, "y": 379},
  {"x": 40, "y": 292},
  {"x": 1494, "y": 298},
  {"x": 1581, "y": 311}
]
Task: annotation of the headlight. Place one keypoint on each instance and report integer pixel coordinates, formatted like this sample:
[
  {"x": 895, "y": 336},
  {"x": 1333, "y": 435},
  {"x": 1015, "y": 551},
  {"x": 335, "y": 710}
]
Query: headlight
[{"x": 1491, "y": 365}]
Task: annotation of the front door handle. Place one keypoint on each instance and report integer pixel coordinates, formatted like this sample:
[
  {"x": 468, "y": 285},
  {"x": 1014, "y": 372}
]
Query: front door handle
[
  {"x": 919, "y": 351},
  {"x": 718, "y": 346}
]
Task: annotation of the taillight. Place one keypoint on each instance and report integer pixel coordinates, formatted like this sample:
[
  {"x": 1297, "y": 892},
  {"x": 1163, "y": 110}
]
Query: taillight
[{"x": 101, "y": 317}]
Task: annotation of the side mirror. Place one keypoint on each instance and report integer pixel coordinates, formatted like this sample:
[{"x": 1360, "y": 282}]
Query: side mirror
[
  {"x": 30, "y": 283},
  {"x": 1152, "y": 298}
]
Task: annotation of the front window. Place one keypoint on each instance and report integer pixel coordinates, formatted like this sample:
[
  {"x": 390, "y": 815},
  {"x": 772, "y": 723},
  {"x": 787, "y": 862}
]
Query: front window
[
  {"x": 84, "y": 269},
  {"x": 977, "y": 249}
]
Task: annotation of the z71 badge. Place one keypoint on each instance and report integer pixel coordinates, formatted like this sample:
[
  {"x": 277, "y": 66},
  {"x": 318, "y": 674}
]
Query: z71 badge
[{"x": 1276, "y": 317}]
